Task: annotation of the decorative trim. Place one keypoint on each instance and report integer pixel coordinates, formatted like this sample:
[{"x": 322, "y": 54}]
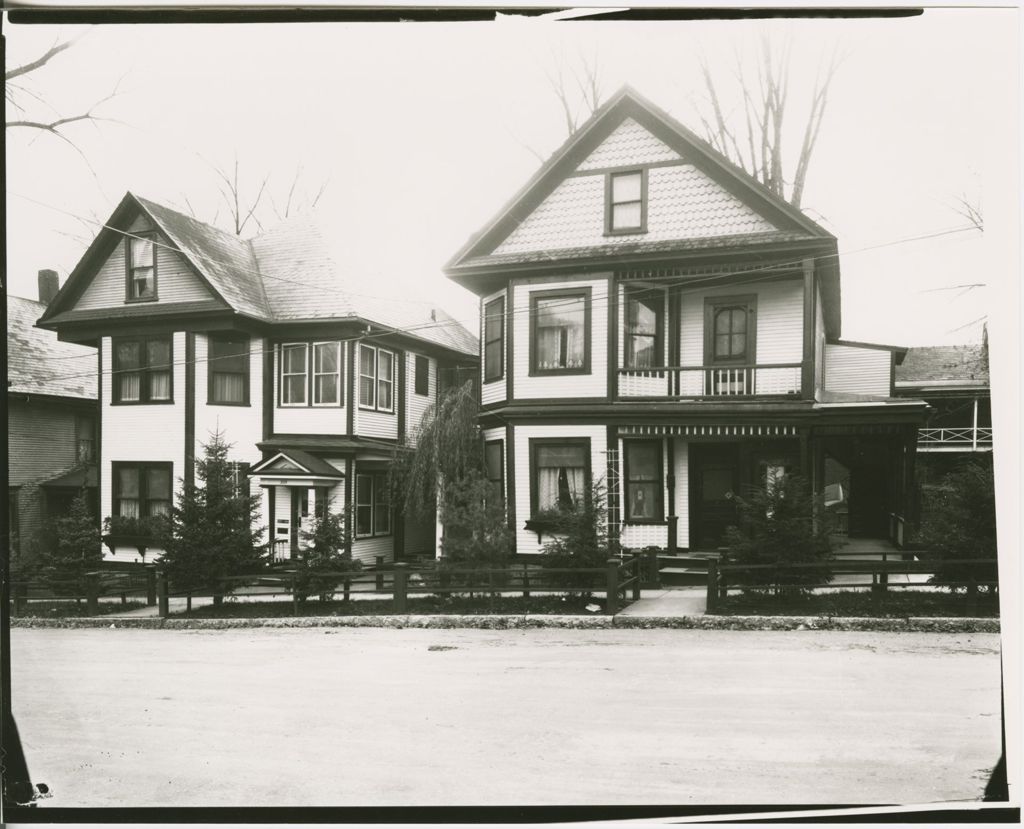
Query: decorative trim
[{"x": 708, "y": 431}]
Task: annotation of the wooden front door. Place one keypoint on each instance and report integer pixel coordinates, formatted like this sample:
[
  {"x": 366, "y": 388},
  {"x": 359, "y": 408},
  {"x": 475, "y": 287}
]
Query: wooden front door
[{"x": 714, "y": 480}]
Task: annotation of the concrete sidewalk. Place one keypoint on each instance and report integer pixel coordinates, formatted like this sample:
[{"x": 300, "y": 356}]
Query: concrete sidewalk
[{"x": 679, "y": 601}]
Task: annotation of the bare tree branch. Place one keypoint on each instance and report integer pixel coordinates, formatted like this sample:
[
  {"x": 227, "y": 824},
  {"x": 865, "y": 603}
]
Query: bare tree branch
[
  {"x": 42, "y": 60},
  {"x": 970, "y": 211}
]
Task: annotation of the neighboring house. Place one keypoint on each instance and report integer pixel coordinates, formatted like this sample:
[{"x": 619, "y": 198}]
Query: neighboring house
[
  {"x": 51, "y": 419},
  {"x": 655, "y": 318},
  {"x": 954, "y": 380},
  {"x": 311, "y": 380}
]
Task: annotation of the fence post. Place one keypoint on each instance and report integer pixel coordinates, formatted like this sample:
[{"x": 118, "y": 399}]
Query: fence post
[
  {"x": 526, "y": 581},
  {"x": 611, "y": 604},
  {"x": 150, "y": 587},
  {"x": 379, "y": 586},
  {"x": 163, "y": 601},
  {"x": 92, "y": 593},
  {"x": 636, "y": 577},
  {"x": 399, "y": 590},
  {"x": 711, "y": 602}
]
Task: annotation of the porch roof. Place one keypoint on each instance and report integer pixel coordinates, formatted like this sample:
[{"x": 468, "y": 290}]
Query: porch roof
[
  {"x": 335, "y": 444},
  {"x": 73, "y": 479},
  {"x": 308, "y": 465}
]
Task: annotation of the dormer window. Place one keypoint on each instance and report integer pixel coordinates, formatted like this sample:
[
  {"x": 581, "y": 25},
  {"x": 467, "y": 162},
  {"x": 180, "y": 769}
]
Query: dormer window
[
  {"x": 141, "y": 266},
  {"x": 627, "y": 202}
]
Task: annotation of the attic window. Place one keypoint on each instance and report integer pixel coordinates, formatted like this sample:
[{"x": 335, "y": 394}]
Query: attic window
[
  {"x": 141, "y": 268},
  {"x": 626, "y": 202}
]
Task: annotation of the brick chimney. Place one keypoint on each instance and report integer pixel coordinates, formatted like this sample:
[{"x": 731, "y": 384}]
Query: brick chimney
[{"x": 48, "y": 286}]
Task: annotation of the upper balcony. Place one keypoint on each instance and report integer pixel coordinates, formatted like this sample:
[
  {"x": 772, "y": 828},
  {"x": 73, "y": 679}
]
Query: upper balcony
[{"x": 711, "y": 381}]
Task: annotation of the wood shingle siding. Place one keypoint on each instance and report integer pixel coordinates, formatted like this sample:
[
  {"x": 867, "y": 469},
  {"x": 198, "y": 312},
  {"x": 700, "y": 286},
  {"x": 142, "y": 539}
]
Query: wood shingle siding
[
  {"x": 629, "y": 144},
  {"x": 857, "y": 370},
  {"x": 592, "y": 384},
  {"x": 175, "y": 280}
]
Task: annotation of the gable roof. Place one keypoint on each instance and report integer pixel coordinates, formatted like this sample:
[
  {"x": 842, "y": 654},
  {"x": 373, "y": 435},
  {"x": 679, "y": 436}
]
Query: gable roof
[
  {"x": 629, "y": 104},
  {"x": 298, "y": 462},
  {"x": 944, "y": 365},
  {"x": 287, "y": 274},
  {"x": 39, "y": 363}
]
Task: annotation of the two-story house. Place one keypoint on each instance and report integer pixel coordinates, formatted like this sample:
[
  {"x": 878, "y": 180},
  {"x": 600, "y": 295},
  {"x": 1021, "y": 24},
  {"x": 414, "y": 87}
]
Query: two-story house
[
  {"x": 312, "y": 377},
  {"x": 654, "y": 318},
  {"x": 51, "y": 419}
]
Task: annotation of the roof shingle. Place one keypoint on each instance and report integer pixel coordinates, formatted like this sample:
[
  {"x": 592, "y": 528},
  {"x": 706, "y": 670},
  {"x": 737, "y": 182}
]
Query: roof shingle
[
  {"x": 39, "y": 363},
  {"x": 967, "y": 363}
]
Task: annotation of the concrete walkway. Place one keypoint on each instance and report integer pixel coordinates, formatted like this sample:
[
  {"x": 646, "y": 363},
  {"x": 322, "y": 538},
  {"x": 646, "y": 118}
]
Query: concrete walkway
[{"x": 679, "y": 601}]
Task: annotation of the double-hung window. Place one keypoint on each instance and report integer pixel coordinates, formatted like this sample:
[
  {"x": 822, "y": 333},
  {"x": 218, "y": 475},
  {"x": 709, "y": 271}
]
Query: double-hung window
[
  {"x": 327, "y": 374},
  {"x": 561, "y": 473},
  {"x": 626, "y": 197},
  {"x": 376, "y": 379},
  {"x": 142, "y": 370},
  {"x": 494, "y": 339},
  {"x": 560, "y": 332},
  {"x": 494, "y": 463},
  {"x": 643, "y": 481},
  {"x": 140, "y": 265},
  {"x": 373, "y": 504},
  {"x": 85, "y": 439},
  {"x": 142, "y": 490},
  {"x": 228, "y": 367},
  {"x": 645, "y": 314},
  {"x": 294, "y": 374}
]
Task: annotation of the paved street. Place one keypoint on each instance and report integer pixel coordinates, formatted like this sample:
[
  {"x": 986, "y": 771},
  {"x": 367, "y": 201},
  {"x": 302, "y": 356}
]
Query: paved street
[{"x": 348, "y": 717}]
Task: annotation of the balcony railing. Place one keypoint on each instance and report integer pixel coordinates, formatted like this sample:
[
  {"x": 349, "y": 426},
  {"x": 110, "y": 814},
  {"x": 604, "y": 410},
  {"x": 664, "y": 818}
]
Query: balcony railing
[
  {"x": 955, "y": 438},
  {"x": 711, "y": 381}
]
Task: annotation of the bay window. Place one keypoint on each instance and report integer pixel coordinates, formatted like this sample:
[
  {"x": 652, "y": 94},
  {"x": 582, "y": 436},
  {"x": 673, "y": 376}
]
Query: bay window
[
  {"x": 142, "y": 370},
  {"x": 494, "y": 339},
  {"x": 560, "y": 332},
  {"x": 376, "y": 379}
]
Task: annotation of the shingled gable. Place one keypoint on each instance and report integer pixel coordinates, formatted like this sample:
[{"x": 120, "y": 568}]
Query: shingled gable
[
  {"x": 222, "y": 262},
  {"x": 479, "y": 253}
]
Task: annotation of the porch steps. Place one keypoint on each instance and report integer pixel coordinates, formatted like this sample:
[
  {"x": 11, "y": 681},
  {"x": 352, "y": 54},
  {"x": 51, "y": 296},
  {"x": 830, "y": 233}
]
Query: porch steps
[{"x": 684, "y": 568}]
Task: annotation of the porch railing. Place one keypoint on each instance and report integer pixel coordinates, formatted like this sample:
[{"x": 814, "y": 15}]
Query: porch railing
[
  {"x": 710, "y": 381},
  {"x": 963, "y": 437}
]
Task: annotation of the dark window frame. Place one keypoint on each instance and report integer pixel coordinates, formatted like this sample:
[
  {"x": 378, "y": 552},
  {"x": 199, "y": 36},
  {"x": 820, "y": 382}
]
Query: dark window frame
[
  {"x": 375, "y": 405},
  {"x": 237, "y": 338},
  {"x": 609, "y": 211},
  {"x": 585, "y": 292},
  {"x": 144, "y": 370},
  {"x": 81, "y": 457},
  {"x": 712, "y": 306},
  {"x": 151, "y": 236},
  {"x": 375, "y": 476},
  {"x": 313, "y": 373},
  {"x": 535, "y": 443},
  {"x": 142, "y": 467},
  {"x": 627, "y": 480},
  {"x": 642, "y": 295},
  {"x": 499, "y": 340},
  {"x": 421, "y": 388},
  {"x": 499, "y": 479}
]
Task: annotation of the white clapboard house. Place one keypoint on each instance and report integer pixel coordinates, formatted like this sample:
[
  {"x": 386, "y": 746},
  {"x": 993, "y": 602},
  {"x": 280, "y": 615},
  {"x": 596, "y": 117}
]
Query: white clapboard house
[
  {"x": 307, "y": 372},
  {"x": 655, "y": 318}
]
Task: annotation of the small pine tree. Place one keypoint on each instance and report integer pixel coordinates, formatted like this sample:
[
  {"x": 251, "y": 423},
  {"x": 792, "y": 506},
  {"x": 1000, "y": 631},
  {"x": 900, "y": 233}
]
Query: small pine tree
[
  {"x": 72, "y": 546},
  {"x": 211, "y": 531},
  {"x": 959, "y": 523},
  {"x": 782, "y": 524},
  {"x": 581, "y": 538},
  {"x": 325, "y": 555},
  {"x": 476, "y": 530}
]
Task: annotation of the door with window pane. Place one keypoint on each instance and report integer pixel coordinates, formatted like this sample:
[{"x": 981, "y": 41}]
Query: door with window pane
[{"x": 714, "y": 482}]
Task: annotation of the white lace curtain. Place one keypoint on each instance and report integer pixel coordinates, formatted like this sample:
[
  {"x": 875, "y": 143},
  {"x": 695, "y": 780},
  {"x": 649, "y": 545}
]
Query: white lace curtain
[{"x": 559, "y": 486}]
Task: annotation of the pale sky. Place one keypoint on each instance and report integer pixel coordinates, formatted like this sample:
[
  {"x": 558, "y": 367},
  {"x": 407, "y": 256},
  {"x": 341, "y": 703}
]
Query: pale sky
[{"x": 423, "y": 130}]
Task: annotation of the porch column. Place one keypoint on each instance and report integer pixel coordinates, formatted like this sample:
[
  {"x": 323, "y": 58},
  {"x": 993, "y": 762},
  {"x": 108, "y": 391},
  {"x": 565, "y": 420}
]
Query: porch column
[{"x": 670, "y": 481}]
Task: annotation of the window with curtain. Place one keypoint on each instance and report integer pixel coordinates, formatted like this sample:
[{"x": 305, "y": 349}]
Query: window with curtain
[
  {"x": 142, "y": 370},
  {"x": 327, "y": 374},
  {"x": 141, "y": 268},
  {"x": 229, "y": 369},
  {"x": 730, "y": 333},
  {"x": 373, "y": 504},
  {"x": 626, "y": 202},
  {"x": 142, "y": 490},
  {"x": 494, "y": 339},
  {"x": 559, "y": 333},
  {"x": 644, "y": 323},
  {"x": 643, "y": 480},
  {"x": 294, "y": 374},
  {"x": 561, "y": 470}
]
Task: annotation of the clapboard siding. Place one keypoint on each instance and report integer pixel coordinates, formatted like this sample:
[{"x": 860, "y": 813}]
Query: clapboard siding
[
  {"x": 857, "y": 370},
  {"x": 594, "y": 384},
  {"x": 370, "y": 424},
  {"x": 779, "y": 321},
  {"x": 366, "y": 550},
  {"x": 310, "y": 420},
  {"x": 417, "y": 405},
  {"x": 240, "y": 426},
  {"x": 494, "y": 392},
  {"x": 526, "y": 540},
  {"x": 144, "y": 433},
  {"x": 175, "y": 280}
]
